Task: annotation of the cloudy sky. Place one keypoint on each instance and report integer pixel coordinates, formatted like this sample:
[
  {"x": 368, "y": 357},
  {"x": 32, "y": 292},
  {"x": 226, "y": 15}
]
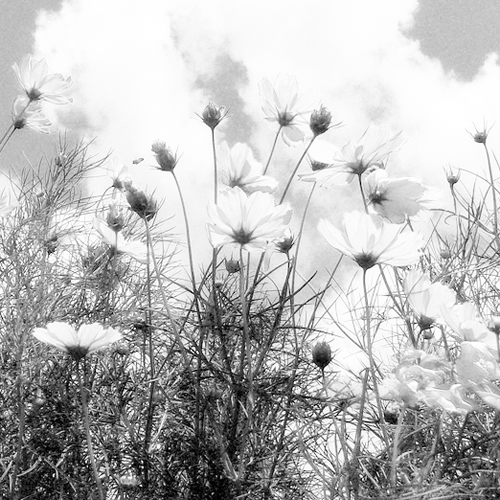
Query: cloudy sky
[{"x": 145, "y": 68}]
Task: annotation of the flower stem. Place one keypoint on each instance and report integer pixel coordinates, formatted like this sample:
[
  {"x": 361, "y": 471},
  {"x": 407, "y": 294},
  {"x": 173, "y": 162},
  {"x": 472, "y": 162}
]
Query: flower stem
[
  {"x": 6, "y": 137},
  {"x": 86, "y": 421},
  {"x": 362, "y": 193},
  {"x": 216, "y": 174},
  {"x": 272, "y": 150},
  {"x": 493, "y": 192}
]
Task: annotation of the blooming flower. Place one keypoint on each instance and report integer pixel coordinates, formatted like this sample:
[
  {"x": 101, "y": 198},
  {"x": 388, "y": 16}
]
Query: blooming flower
[
  {"x": 28, "y": 114},
  {"x": 355, "y": 158},
  {"x": 78, "y": 344},
  {"x": 426, "y": 299},
  {"x": 368, "y": 240},
  {"x": 39, "y": 85},
  {"x": 252, "y": 222},
  {"x": 396, "y": 199},
  {"x": 280, "y": 103},
  {"x": 241, "y": 170},
  {"x": 136, "y": 249}
]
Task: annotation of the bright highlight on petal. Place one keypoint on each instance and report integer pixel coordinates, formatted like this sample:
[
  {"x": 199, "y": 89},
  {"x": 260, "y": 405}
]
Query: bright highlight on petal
[
  {"x": 368, "y": 240},
  {"x": 88, "y": 338},
  {"x": 39, "y": 85},
  {"x": 252, "y": 222}
]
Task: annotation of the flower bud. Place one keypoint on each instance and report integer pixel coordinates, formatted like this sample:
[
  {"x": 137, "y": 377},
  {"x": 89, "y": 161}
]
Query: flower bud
[
  {"x": 232, "y": 266},
  {"x": 452, "y": 177},
  {"x": 164, "y": 156},
  {"x": 321, "y": 355},
  {"x": 285, "y": 244},
  {"x": 115, "y": 219},
  {"x": 212, "y": 115},
  {"x": 144, "y": 206},
  {"x": 494, "y": 324},
  {"x": 320, "y": 121}
]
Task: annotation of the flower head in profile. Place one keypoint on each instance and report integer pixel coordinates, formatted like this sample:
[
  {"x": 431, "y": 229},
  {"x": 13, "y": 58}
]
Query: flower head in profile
[
  {"x": 321, "y": 355},
  {"x": 39, "y": 85},
  {"x": 371, "y": 151},
  {"x": 321, "y": 121},
  {"x": 88, "y": 338},
  {"x": 481, "y": 136},
  {"x": 369, "y": 240},
  {"x": 427, "y": 299},
  {"x": 251, "y": 222},
  {"x": 240, "y": 169},
  {"x": 140, "y": 203},
  {"x": 30, "y": 115},
  {"x": 108, "y": 234},
  {"x": 282, "y": 108},
  {"x": 396, "y": 199},
  {"x": 212, "y": 115}
]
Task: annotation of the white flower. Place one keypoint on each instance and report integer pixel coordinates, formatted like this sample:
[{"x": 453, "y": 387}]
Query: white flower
[
  {"x": 252, "y": 222},
  {"x": 39, "y": 85},
  {"x": 396, "y": 199},
  {"x": 356, "y": 157},
  {"x": 136, "y": 249},
  {"x": 29, "y": 114},
  {"x": 88, "y": 338},
  {"x": 243, "y": 171},
  {"x": 426, "y": 299},
  {"x": 369, "y": 240},
  {"x": 280, "y": 103}
]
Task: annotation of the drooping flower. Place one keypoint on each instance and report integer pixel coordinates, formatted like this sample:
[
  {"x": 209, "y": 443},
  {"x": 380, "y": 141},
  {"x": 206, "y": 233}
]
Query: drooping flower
[
  {"x": 369, "y": 240},
  {"x": 29, "y": 114},
  {"x": 252, "y": 222},
  {"x": 280, "y": 103},
  {"x": 356, "y": 157},
  {"x": 240, "y": 169},
  {"x": 396, "y": 199},
  {"x": 88, "y": 338},
  {"x": 39, "y": 85},
  {"x": 136, "y": 249},
  {"x": 427, "y": 299}
]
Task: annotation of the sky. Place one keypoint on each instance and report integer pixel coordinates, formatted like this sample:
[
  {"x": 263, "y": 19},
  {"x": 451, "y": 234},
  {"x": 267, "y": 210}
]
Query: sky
[{"x": 144, "y": 69}]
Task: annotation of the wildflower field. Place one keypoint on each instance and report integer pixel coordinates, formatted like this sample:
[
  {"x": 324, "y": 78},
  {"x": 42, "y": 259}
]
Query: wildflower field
[{"x": 126, "y": 375}]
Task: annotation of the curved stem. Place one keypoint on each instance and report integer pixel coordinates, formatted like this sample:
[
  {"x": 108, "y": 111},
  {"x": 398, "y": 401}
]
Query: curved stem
[
  {"x": 493, "y": 192},
  {"x": 362, "y": 193},
  {"x": 272, "y": 149},
  {"x": 5, "y": 139},
  {"x": 295, "y": 169},
  {"x": 86, "y": 421},
  {"x": 216, "y": 174}
]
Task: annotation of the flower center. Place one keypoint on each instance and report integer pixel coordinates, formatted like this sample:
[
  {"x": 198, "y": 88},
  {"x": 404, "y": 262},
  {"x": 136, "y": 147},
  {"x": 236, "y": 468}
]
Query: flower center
[
  {"x": 365, "y": 260},
  {"x": 34, "y": 94},
  {"x": 242, "y": 237},
  {"x": 377, "y": 198},
  {"x": 285, "y": 118}
]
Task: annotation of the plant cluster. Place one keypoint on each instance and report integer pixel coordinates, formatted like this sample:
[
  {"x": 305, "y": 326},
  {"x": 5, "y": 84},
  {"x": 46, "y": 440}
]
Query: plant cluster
[{"x": 122, "y": 380}]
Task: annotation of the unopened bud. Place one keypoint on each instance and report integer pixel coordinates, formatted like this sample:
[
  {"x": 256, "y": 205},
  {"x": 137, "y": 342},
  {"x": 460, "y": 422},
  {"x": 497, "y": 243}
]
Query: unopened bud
[
  {"x": 232, "y": 266},
  {"x": 321, "y": 355},
  {"x": 494, "y": 324},
  {"x": 164, "y": 156},
  {"x": 452, "y": 177},
  {"x": 140, "y": 203},
  {"x": 115, "y": 219},
  {"x": 212, "y": 115},
  {"x": 320, "y": 121}
]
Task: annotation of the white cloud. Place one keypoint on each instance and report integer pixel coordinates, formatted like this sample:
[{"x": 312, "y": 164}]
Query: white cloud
[{"x": 144, "y": 68}]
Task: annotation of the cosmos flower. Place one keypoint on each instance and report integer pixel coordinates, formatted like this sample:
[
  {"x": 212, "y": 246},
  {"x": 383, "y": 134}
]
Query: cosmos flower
[
  {"x": 252, "y": 222},
  {"x": 426, "y": 299},
  {"x": 243, "y": 171},
  {"x": 396, "y": 199},
  {"x": 165, "y": 158},
  {"x": 369, "y": 240},
  {"x": 88, "y": 338},
  {"x": 370, "y": 151},
  {"x": 29, "y": 114},
  {"x": 136, "y": 249},
  {"x": 39, "y": 85},
  {"x": 280, "y": 103}
]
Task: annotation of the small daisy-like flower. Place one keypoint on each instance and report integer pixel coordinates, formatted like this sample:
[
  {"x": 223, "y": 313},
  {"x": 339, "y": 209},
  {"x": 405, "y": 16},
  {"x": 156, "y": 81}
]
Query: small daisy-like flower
[
  {"x": 356, "y": 157},
  {"x": 252, "y": 222},
  {"x": 427, "y": 299},
  {"x": 136, "y": 249},
  {"x": 368, "y": 240},
  {"x": 88, "y": 338},
  {"x": 396, "y": 199},
  {"x": 240, "y": 169},
  {"x": 30, "y": 115},
  {"x": 39, "y": 85},
  {"x": 280, "y": 103}
]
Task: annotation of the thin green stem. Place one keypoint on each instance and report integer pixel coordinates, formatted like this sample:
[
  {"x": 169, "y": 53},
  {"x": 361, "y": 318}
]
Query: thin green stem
[
  {"x": 493, "y": 193},
  {"x": 216, "y": 174},
  {"x": 272, "y": 149},
  {"x": 295, "y": 170},
  {"x": 6, "y": 137},
  {"x": 362, "y": 193},
  {"x": 86, "y": 421}
]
